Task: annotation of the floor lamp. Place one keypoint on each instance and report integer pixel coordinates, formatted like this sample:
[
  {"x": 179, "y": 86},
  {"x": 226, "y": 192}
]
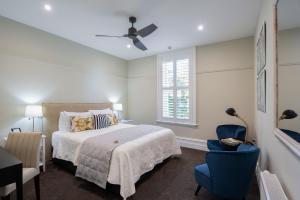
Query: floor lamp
[
  {"x": 288, "y": 114},
  {"x": 232, "y": 112}
]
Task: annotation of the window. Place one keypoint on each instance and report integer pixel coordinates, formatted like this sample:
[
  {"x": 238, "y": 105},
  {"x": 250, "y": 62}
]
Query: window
[{"x": 176, "y": 83}]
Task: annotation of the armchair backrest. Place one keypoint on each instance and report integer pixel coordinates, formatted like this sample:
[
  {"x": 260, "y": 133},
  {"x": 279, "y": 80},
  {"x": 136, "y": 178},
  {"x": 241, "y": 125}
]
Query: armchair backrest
[
  {"x": 231, "y": 131},
  {"x": 231, "y": 171},
  {"x": 26, "y": 147},
  {"x": 293, "y": 134}
]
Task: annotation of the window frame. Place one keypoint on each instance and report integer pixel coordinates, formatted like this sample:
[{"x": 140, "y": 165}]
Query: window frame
[{"x": 173, "y": 56}]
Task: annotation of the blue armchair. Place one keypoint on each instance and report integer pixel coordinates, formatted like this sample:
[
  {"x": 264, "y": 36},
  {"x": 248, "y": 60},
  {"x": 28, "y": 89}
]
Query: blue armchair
[
  {"x": 226, "y": 131},
  {"x": 293, "y": 134},
  {"x": 227, "y": 174}
]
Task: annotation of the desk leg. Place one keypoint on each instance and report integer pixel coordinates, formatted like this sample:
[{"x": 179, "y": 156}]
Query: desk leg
[{"x": 19, "y": 183}]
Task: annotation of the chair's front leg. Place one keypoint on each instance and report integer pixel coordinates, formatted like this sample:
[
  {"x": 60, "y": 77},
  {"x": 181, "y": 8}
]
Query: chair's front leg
[
  {"x": 198, "y": 189},
  {"x": 37, "y": 186}
]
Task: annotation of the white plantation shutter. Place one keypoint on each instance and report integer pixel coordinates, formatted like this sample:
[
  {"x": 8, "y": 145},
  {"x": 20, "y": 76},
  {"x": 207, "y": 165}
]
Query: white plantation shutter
[
  {"x": 182, "y": 82},
  {"x": 183, "y": 104},
  {"x": 167, "y": 74},
  {"x": 176, "y": 87},
  {"x": 182, "y": 72},
  {"x": 168, "y": 104}
]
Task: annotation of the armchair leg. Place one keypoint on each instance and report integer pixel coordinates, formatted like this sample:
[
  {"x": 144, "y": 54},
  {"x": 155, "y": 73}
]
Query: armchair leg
[
  {"x": 37, "y": 186},
  {"x": 198, "y": 189}
]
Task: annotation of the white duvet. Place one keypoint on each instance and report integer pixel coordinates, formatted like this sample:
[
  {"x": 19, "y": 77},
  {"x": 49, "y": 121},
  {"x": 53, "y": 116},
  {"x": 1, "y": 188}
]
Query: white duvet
[{"x": 129, "y": 161}]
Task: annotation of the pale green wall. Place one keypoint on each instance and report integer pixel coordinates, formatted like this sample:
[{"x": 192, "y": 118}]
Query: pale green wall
[
  {"x": 224, "y": 78},
  {"x": 37, "y": 67}
]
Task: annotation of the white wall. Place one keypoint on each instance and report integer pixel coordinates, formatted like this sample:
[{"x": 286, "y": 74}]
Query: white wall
[
  {"x": 274, "y": 155},
  {"x": 224, "y": 79},
  {"x": 38, "y": 67}
]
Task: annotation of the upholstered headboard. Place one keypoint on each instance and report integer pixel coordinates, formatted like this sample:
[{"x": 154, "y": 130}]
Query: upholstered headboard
[{"x": 51, "y": 112}]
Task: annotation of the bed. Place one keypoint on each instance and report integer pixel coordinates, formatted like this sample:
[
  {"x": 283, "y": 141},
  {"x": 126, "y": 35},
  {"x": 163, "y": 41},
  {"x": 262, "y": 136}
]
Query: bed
[{"x": 128, "y": 161}]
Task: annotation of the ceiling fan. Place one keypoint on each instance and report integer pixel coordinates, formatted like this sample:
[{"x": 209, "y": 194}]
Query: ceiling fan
[{"x": 133, "y": 34}]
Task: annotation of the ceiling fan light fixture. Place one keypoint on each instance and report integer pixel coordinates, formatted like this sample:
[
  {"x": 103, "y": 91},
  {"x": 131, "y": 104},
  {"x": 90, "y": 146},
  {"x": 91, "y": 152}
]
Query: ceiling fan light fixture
[
  {"x": 133, "y": 34},
  {"x": 128, "y": 46}
]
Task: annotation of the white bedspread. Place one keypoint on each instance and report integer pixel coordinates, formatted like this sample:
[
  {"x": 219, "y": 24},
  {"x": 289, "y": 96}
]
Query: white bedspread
[{"x": 129, "y": 161}]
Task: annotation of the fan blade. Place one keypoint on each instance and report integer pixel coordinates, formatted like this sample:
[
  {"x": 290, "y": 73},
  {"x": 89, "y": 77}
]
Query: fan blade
[
  {"x": 147, "y": 30},
  {"x": 139, "y": 44},
  {"x": 114, "y": 36}
]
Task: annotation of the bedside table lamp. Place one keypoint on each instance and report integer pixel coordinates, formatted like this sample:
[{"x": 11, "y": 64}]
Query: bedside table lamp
[
  {"x": 32, "y": 112},
  {"x": 119, "y": 108},
  {"x": 232, "y": 112}
]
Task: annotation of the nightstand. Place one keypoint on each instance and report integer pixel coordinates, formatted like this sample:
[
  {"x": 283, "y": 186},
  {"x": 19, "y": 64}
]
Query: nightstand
[{"x": 42, "y": 154}]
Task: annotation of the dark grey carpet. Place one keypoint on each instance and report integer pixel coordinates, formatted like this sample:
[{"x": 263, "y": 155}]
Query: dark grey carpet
[{"x": 172, "y": 180}]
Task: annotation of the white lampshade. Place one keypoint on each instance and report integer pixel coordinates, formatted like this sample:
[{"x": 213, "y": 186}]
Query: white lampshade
[
  {"x": 118, "y": 107},
  {"x": 33, "y": 111}
]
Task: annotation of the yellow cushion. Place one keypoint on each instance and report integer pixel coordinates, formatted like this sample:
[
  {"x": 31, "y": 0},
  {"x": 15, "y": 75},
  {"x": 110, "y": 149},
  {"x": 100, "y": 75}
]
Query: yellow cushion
[
  {"x": 113, "y": 120},
  {"x": 82, "y": 123}
]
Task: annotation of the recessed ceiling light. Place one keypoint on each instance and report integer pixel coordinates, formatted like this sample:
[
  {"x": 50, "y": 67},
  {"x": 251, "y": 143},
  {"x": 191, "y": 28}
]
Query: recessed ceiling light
[
  {"x": 128, "y": 46},
  {"x": 47, "y": 7},
  {"x": 200, "y": 28}
]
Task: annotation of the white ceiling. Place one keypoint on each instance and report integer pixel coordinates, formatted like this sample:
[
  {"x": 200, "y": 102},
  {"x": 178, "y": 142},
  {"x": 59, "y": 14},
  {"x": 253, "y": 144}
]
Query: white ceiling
[{"x": 177, "y": 21}]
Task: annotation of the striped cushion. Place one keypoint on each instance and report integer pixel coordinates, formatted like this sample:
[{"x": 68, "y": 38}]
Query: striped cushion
[{"x": 101, "y": 121}]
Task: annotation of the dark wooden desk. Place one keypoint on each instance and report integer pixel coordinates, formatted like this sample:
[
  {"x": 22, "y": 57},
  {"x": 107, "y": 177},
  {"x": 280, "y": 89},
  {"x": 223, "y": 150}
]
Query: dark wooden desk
[{"x": 11, "y": 172}]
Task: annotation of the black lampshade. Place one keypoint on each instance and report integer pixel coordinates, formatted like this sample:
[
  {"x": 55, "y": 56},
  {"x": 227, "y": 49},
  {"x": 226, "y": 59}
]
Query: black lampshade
[
  {"x": 231, "y": 111},
  {"x": 288, "y": 114}
]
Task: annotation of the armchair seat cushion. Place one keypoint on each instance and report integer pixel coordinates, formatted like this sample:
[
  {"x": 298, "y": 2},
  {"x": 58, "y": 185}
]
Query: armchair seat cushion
[
  {"x": 202, "y": 175},
  {"x": 28, "y": 174}
]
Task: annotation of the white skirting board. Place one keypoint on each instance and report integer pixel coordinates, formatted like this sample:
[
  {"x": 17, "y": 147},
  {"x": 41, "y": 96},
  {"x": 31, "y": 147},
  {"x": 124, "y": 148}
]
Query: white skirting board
[
  {"x": 269, "y": 185},
  {"x": 192, "y": 143}
]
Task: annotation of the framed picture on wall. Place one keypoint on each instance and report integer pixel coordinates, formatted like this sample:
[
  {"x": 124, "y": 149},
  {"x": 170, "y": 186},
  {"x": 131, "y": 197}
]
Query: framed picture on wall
[
  {"x": 261, "y": 50},
  {"x": 261, "y": 91},
  {"x": 257, "y": 57}
]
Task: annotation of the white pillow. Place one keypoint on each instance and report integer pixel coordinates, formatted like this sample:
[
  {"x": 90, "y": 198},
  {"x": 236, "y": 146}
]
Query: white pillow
[
  {"x": 106, "y": 111},
  {"x": 64, "y": 123}
]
